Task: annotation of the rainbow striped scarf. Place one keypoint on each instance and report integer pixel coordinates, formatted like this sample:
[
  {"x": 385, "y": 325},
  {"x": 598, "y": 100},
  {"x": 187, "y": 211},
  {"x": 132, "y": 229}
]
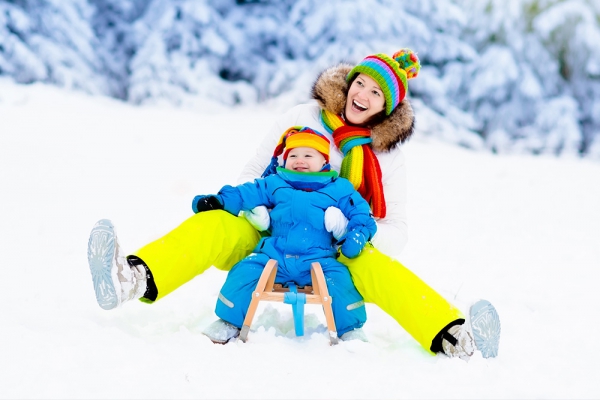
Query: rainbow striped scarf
[{"x": 360, "y": 165}]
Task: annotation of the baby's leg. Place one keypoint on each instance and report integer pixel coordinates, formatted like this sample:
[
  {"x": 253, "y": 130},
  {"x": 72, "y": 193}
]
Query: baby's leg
[
  {"x": 348, "y": 306},
  {"x": 236, "y": 293}
]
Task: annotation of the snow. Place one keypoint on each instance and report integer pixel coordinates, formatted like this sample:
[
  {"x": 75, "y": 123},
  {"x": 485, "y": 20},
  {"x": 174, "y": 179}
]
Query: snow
[{"x": 518, "y": 230}]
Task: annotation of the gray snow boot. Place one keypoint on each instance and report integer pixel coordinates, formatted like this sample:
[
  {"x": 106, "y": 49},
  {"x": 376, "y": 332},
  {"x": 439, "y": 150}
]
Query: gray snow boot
[
  {"x": 221, "y": 331},
  {"x": 115, "y": 280},
  {"x": 457, "y": 341},
  {"x": 355, "y": 334}
]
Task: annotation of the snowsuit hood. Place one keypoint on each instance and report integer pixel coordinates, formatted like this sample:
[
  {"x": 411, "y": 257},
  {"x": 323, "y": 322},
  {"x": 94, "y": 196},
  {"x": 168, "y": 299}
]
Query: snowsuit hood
[{"x": 330, "y": 91}]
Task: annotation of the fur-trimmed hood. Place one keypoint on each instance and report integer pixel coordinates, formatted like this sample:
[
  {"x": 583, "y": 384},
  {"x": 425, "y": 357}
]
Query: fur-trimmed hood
[{"x": 330, "y": 90}]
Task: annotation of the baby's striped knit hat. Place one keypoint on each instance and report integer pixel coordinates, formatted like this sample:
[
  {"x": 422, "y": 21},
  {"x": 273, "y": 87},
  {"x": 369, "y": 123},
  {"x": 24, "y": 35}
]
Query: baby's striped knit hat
[
  {"x": 390, "y": 73},
  {"x": 298, "y": 136}
]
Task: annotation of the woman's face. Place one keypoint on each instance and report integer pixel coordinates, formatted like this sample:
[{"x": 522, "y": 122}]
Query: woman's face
[
  {"x": 305, "y": 159},
  {"x": 365, "y": 99}
]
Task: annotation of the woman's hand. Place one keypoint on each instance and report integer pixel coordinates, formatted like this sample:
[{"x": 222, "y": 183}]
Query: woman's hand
[{"x": 335, "y": 222}]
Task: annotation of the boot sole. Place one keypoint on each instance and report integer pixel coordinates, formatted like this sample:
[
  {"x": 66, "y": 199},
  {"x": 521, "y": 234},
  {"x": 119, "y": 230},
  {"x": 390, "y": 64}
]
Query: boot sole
[
  {"x": 211, "y": 330},
  {"x": 485, "y": 324},
  {"x": 101, "y": 259},
  {"x": 217, "y": 341}
]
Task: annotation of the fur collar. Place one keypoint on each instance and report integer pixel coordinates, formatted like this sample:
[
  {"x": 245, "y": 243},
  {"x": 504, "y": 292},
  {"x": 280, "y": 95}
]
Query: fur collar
[{"x": 330, "y": 92}]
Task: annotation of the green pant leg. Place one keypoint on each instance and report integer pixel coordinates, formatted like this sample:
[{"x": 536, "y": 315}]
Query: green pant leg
[
  {"x": 384, "y": 281},
  {"x": 203, "y": 240}
]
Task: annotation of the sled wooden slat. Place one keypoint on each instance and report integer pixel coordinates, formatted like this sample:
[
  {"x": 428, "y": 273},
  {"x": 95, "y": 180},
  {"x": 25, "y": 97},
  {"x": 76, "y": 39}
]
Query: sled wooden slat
[{"x": 267, "y": 290}]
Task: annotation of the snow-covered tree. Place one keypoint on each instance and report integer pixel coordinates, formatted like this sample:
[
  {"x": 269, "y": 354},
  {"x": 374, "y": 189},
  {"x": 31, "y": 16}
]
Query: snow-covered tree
[
  {"x": 112, "y": 23},
  {"x": 509, "y": 75},
  {"x": 50, "y": 41},
  {"x": 570, "y": 31},
  {"x": 535, "y": 85}
]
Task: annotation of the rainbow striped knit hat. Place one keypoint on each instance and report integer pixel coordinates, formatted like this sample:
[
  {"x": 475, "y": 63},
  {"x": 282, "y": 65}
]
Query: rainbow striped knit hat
[
  {"x": 299, "y": 136},
  {"x": 390, "y": 73}
]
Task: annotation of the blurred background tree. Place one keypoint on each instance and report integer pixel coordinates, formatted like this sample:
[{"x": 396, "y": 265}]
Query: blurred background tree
[{"x": 506, "y": 75}]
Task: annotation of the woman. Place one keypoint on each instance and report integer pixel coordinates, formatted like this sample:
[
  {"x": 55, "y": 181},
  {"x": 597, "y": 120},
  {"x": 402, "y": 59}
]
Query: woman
[{"x": 364, "y": 110}]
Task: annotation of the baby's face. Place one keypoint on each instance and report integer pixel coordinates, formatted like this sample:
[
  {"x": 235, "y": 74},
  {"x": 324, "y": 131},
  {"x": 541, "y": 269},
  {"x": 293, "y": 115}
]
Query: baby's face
[{"x": 305, "y": 159}]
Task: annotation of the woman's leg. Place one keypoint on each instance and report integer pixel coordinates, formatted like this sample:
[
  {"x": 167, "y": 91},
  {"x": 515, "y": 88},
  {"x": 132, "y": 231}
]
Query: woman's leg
[
  {"x": 205, "y": 239},
  {"x": 384, "y": 281}
]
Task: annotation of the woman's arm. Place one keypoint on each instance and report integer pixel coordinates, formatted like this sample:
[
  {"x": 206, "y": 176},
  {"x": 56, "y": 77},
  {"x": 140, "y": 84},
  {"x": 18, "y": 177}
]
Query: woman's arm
[{"x": 392, "y": 231}]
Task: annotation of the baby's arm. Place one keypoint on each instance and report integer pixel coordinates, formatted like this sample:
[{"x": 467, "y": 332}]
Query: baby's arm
[
  {"x": 233, "y": 199},
  {"x": 361, "y": 225}
]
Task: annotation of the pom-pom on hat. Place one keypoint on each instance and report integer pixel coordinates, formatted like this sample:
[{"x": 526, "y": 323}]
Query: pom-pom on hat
[
  {"x": 298, "y": 136},
  {"x": 390, "y": 73}
]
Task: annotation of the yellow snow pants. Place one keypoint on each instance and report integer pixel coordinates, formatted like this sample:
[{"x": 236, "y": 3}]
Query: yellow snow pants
[
  {"x": 221, "y": 239},
  {"x": 384, "y": 281}
]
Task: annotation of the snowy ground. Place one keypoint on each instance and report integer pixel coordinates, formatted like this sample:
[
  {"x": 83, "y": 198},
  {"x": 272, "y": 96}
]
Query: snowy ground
[{"x": 520, "y": 231}]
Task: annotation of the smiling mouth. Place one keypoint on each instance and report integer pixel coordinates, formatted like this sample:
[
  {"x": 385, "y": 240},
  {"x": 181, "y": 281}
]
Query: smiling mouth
[{"x": 358, "y": 107}]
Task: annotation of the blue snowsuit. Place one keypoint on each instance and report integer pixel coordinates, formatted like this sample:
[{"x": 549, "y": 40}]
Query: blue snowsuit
[{"x": 298, "y": 237}]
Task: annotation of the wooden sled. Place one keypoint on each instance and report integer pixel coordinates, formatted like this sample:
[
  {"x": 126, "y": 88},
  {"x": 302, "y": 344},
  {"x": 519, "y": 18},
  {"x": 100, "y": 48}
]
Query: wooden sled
[{"x": 267, "y": 290}]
